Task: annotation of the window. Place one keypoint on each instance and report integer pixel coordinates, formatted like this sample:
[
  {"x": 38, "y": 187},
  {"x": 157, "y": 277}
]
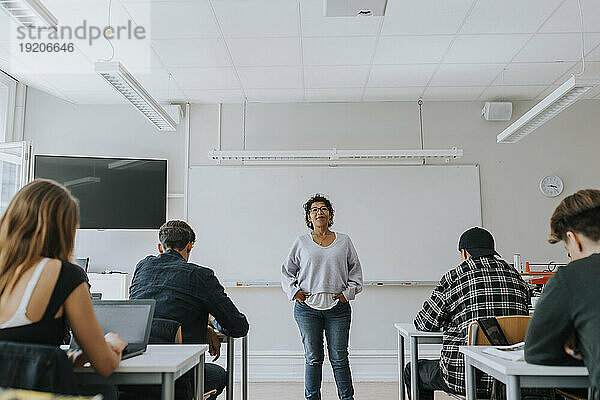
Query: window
[
  {"x": 8, "y": 91},
  {"x": 14, "y": 157},
  {"x": 14, "y": 170}
]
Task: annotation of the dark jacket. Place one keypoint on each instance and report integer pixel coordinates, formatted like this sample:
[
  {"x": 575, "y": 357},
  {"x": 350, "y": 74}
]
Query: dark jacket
[
  {"x": 36, "y": 367},
  {"x": 186, "y": 293}
]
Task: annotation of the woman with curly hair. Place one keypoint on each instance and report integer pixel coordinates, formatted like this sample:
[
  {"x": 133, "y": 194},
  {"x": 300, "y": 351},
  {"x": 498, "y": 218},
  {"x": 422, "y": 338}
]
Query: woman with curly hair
[{"x": 322, "y": 273}]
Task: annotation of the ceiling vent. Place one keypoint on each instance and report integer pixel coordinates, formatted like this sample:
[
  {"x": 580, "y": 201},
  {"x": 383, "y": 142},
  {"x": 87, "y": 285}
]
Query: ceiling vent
[{"x": 354, "y": 8}]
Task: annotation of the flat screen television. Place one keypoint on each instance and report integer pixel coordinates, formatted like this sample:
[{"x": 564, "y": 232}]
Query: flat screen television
[{"x": 113, "y": 193}]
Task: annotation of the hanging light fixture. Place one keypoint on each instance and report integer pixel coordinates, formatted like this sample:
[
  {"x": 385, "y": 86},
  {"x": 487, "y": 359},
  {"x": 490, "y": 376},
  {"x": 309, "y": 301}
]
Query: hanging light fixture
[
  {"x": 333, "y": 156},
  {"x": 119, "y": 78},
  {"x": 561, "y": 98},
  {"x": 30, "y": 13}
]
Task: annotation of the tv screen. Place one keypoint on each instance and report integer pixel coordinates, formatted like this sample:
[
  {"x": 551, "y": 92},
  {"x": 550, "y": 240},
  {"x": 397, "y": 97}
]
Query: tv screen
[{"x": 113, "y": 193}]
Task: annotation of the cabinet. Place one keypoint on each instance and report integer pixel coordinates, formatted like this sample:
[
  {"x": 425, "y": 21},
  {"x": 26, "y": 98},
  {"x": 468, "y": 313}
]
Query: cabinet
[{"x": 112, "y": 286}]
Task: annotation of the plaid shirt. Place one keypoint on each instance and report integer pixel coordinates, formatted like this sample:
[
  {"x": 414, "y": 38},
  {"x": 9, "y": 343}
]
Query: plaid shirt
[{"x": 479, "y": 287}]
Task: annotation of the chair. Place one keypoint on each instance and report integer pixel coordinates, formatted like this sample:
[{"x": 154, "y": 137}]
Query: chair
[
  {"x": 165, "y": 331},
  {"x": 513, "y": 326},
  {"x": 36, "y": 367}
]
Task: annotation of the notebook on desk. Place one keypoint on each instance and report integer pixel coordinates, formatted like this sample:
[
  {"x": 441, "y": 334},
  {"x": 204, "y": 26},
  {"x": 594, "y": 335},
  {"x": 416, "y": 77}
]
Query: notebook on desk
[
  {"x": 515, "y": 352},
  {"x": 130, "y": 319}
]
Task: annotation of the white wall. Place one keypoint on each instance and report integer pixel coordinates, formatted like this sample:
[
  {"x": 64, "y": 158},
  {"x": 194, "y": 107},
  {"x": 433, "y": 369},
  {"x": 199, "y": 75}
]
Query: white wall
[
  {"x": 59, "y": 127},
  {"x": 513, "y": 208}
]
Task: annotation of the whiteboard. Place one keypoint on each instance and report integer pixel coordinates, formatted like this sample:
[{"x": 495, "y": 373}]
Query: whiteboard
[{"x": 404, "y": 221}]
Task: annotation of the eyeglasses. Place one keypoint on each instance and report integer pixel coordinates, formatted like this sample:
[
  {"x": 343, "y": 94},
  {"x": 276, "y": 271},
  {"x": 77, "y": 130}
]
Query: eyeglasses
[{"x": 315, "y": 210}]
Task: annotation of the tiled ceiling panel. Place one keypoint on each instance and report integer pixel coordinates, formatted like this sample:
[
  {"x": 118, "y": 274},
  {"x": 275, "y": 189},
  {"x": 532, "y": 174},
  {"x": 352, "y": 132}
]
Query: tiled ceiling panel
[
  {"x": 411, "y": 49},
  {"x": 338, "y": 50},
  {"x": 336, "y": 77},
  {"x": 285, "y": 50},
  {"x": 509, "y": 16},
  {"x": 257, "y": 18},
  {"x": 485, "y": 48},
  {"x": 425, "y": 17},
  {"x": 265, "y": 51}
]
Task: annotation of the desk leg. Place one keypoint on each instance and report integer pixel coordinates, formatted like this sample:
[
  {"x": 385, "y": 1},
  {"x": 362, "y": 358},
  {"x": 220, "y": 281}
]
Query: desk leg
[
  {"x": 414, "y": 368},
  {"x": 513, "y": 388},
  {"x": 168, "y": 386},
  {"x": 200, "y": 378},
  {"x": 400, "y": 366},
  {"x": 470, "y": 380},
  {"x": 230, "y": 369},
  {"x": 245, "y": 368}
]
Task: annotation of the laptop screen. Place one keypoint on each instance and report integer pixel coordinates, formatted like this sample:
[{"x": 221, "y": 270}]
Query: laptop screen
[
  {"x": 130, "y": 319},
  {"x": 83, "y": 263}
]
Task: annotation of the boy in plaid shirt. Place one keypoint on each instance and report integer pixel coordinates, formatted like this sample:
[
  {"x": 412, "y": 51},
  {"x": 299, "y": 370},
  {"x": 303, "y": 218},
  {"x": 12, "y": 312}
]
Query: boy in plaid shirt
[{"x": 482, "y": 286}]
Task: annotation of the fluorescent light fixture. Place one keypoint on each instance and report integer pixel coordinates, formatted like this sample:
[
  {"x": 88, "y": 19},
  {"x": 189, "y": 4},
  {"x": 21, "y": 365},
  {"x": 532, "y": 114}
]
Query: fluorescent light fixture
[
  {"x": 119, "y": 78},
  {"x": 565, "y": 95},
  {"x": 30, "y": 13},
  {"x": 81, "y": 181},
  {"x": 334, "y": 155}
]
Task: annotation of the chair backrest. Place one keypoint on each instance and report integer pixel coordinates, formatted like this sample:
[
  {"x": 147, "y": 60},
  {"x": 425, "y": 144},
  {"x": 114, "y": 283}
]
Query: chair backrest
[
  {"x": 513, "y": 326},
  {"x": 165, "y": 331},
  {"x": 36, "y": 367}
]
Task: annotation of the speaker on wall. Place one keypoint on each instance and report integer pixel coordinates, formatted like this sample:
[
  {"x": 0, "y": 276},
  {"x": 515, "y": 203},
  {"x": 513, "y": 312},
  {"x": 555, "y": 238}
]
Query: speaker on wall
[{"x": 497, "y": 111}]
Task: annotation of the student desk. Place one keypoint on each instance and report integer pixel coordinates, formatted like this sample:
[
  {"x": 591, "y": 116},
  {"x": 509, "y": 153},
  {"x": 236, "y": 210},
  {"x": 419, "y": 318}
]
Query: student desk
[
  {"x": 407, "y": 331},
  {"x": 519, "y": 374},
  {"x": 161, "y": 364}
]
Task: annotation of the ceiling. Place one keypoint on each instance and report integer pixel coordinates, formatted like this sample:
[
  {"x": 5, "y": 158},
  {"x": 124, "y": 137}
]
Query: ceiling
[{"x": 209, "y": 51}]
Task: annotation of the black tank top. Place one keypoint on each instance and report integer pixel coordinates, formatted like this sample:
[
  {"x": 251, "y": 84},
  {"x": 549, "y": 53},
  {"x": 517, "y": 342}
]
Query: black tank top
[{"x": 49, "y": 330}]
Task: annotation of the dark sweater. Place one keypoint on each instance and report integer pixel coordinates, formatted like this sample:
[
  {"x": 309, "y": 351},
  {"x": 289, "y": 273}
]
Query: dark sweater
[{"x": 570, "y": 303}]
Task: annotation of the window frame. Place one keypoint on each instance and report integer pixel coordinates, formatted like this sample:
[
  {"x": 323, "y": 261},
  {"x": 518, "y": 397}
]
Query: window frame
[
  {"x": 11, "y": 84},
  {"x": 24, "y": 161}
]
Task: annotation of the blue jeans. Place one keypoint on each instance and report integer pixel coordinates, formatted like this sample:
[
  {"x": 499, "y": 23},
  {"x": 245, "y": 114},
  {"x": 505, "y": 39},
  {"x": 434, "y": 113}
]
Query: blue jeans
[{"x": 336, "y": 324}]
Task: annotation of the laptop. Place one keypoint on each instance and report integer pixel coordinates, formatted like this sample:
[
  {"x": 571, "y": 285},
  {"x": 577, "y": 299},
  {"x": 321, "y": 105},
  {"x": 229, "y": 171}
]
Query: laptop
[
  {"x": 130, "y": 319},
  {"x": 84, "y": 263}
]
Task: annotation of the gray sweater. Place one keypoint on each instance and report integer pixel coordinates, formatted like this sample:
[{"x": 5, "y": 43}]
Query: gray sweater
[{"x": 316, "y": 269}]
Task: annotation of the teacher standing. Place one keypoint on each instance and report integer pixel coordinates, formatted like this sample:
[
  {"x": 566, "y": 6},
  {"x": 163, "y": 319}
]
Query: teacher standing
[{"x": 322, "y": 274}]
